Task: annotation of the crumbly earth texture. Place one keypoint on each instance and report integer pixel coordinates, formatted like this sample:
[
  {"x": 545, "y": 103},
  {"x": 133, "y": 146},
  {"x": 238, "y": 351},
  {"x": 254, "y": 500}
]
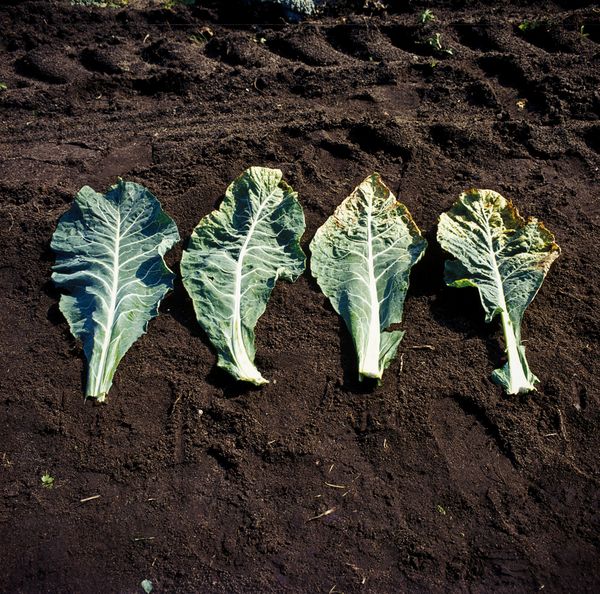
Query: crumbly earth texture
[{"x": 432, "y": 482}]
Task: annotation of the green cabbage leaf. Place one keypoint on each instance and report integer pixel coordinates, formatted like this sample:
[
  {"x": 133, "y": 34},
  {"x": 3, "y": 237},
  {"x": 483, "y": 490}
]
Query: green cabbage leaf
[
  {"x": 234, "y": 258},
  {"x": 110, "y": 267},
  {"x": 361, "y": 258},
  {"x": 506, "y": 258}
]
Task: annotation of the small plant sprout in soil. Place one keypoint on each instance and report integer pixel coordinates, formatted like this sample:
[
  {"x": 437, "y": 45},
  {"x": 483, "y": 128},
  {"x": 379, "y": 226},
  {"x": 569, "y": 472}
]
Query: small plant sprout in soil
[
  {"x": 426, "y": 16},
  {"x": 47, "y": 481},
  {"x": 531, "y": 25},
  {"x": 374, "y": 5},
  {"x": 435, "y": 41}
]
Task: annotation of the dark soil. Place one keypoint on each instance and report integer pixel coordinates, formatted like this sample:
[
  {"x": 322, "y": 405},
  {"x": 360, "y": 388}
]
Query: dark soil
[{"x": 436, "y": 481}]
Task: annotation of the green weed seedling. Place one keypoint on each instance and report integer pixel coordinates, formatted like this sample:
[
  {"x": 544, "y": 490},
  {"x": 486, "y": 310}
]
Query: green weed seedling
[
  {"x": 374, "y": 5},
  {"x": 47, "y": 481},
  {"x": 436, "y": 43},
  {"x": 426, "y": 16}
]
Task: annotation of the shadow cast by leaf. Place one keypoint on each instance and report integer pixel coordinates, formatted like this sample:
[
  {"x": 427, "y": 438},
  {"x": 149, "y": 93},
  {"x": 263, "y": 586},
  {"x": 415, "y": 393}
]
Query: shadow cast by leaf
[
  {"x": 472, "y": 407},
  {"x": 232, "y": 388},
  {"x": 349, "y": 362},
  {"x": 49, "y": 289},
  {"x": 179, "y": 306},
  {"x": 47, "y": 254},
  {"x": 459, "y": 310},
  {"x": 312, "y": 281},
  {"x": 55, "y": 316},
  {"x": 427, "y": 276}
]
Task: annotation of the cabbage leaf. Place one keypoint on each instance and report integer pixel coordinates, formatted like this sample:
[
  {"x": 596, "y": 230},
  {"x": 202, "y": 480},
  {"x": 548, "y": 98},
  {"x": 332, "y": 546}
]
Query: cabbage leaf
[
  {"x": 234, "y": 258},
  {"x": 109, "y": 264},
  {"x": 361, "y": 258},
  {"x": 506, "y": 258}
]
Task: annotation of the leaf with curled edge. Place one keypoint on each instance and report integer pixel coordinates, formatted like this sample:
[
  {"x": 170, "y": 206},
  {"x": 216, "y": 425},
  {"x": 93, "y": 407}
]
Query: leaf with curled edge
[
  {"x": 109, "y": 263},
  {"x": 234, "y": 258},
  {"x": 361, "y": 258},
  {"x": 507, "y": 259}
]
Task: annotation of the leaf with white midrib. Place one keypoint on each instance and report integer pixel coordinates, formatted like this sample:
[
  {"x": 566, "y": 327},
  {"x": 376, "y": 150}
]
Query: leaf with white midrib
[
  {"x": 110, "y": 266},
  {"x": 361, "y": 258},
  {"x": 506, "y": 258},
  {"x": 234, "y": 258}
]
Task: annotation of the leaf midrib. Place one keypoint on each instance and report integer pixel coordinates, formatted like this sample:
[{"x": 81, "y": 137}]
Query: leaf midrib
[
  {"x": 113, "y": 301},
  {"x": 495, "y": 266},
  {"x": 373, "y": 331},
  {"x": 236, "y": 321}
]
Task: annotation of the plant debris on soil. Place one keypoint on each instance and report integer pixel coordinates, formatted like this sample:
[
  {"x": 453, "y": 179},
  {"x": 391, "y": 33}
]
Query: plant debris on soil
[{"x": 432, "y": 482}]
